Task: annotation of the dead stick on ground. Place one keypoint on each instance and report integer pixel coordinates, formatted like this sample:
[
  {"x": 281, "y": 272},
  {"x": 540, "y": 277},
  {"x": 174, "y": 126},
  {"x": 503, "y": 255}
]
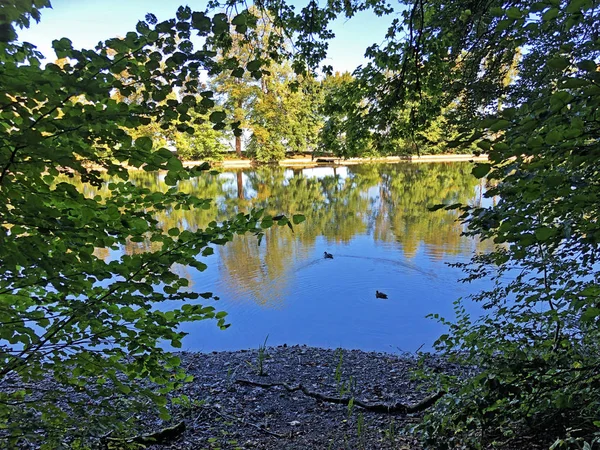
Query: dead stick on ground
[
  {"x": 394, "y": 408},
  {"x": 161, "y": 437}
]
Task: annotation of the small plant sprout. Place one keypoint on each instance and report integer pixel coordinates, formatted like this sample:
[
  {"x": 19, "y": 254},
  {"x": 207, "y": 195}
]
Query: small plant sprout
[
  {"x": 360, "y": 429},
  {"x": 260, "y": 359},
  {"x": 338, "y": 368}
]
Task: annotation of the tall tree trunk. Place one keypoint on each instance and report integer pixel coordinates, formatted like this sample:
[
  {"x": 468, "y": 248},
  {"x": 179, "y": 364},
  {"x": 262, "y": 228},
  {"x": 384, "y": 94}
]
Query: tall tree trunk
[
  {"x": 238, "y": 146},
  {"x": 240, "y": 185},
  {"x": 238, "y": 139}
]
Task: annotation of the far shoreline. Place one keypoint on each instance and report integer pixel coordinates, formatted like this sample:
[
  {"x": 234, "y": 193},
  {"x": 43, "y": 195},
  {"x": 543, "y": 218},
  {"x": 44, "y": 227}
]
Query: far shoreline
[{"x": 324, "y": 161}]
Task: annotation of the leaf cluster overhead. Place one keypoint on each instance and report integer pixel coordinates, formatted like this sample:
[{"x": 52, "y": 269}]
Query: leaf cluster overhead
[{"x": 69, "y": 318}]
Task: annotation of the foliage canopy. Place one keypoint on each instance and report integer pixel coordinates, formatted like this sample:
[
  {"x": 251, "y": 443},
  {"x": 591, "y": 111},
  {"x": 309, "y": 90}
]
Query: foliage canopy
[
  {"x": 77, "y": 322},
  {"x": 518, "y": 79}
]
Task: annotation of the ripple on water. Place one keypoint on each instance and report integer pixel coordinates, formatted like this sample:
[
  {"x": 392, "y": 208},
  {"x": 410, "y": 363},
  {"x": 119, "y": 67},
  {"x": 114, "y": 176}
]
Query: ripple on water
[{"x": 358, "y": 277}]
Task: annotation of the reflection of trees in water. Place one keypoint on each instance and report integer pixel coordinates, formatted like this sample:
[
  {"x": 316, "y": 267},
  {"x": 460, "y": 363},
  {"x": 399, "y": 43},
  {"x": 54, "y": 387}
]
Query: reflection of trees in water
[
  {"x": 262, "y": 274},
  {"x": 406, "y": 192},
  {"x": 389, "y": 201}
]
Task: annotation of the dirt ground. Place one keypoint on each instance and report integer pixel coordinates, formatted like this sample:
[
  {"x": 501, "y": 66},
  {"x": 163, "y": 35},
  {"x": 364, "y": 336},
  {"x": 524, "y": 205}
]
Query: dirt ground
[{"x": 223, "y": 413}]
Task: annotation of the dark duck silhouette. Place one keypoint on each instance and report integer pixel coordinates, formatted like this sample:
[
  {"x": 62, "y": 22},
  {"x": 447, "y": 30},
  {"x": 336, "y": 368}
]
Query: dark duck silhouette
[
  {"x": 380, "y": 295},
  {"x": 328, "y": 255}
]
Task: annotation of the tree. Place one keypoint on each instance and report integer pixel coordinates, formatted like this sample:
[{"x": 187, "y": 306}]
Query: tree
[
  {"x": 284, "y": 115},
  {"x": 348, "y": 133},
  {"x": 342, "y": 106},
  {"x": 236, "y": 88},
  {"x": 235, "y": 94},
  {"x": 205, "y": 143},
  {"x": 78, "y": 333},
  {"x": 197, "y": 141},
  {"x": 278, "y": 110}
]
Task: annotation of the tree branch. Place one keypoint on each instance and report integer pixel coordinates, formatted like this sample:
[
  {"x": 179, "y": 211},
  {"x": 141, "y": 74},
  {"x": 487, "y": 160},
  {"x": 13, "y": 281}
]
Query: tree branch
[{"x": 394, "y": 408}]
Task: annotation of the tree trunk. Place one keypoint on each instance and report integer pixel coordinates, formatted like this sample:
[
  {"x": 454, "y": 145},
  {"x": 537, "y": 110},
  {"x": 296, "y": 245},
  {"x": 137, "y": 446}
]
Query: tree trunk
[
  {"x": 240, "y": 185},
  {"x": 238, "y": 139},
  {"x": 238, "y": 146}
]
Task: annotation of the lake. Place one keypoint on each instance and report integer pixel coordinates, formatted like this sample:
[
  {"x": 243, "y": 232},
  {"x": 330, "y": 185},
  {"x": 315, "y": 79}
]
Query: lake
[{"x": 372, "y": 218}]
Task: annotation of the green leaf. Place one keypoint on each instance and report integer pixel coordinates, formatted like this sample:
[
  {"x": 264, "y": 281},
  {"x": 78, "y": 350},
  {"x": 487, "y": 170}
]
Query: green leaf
[
  {"x": 298, "y": 219},
  {"x": 590, "y": 291},
  {"x": 481, "y": 170},
  {"x": 238, "y": 72},
  {"x": 509, "y": 113},
  {"x": 219, "y": 23},
  {"x": 201, "y": 22},
  {"x": 501, "y": 147},
  {"x": 551, "y": 14},
  {"x": 266, "y": 223},
  {"x": 553, "y": 137},
  {"x": 164, "y": 414},
  {"x": 559, "y": 63},
  {"x": 574, "y": 83},
  {"x": 588, "y": 65},
  {"x": 504, "y": 24},
  {"x": 240, "y": 19},
  {"x": 253, "y": 66},
  {"x": 207, "y": 103},
  {"x": 590, "y": 314},
  {"x": 436, "y": 207},
  {"x": 170, "y": 179},
  {"x": 199, "y": 266},
  {"x": 484, "y": 145},
  {"x": 514, "y": 13},
  {"x": 576, "y": 6},
  {"x": 544, "y": 233},
  {"x": 144, "y": 143},
  {"x": 217, "y": 116},
  {"x": 174, "y": 164},
  {"x": 123, "y": 388},
  {"x": 500, "y": 124}
]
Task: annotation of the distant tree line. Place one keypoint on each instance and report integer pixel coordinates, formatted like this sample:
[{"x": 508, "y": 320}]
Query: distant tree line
[{"x": 279, "y": 112}]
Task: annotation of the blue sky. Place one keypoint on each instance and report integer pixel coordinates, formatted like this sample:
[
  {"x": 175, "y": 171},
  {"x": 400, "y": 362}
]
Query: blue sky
[{"x": 86, "y": 22}]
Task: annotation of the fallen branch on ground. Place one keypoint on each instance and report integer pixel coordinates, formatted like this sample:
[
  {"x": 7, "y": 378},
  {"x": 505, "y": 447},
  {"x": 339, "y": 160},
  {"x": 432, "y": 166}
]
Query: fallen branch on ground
[
  {"x": 393, "y": 408},
  {"x": 161, "y": 437}
]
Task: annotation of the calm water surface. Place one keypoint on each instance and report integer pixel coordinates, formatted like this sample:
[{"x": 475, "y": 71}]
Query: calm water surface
[{"x": 372, "y": 218}]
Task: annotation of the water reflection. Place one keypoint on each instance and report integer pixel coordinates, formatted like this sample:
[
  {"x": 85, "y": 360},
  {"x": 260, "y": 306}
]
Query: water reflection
[{"x": 373, "y": 218}]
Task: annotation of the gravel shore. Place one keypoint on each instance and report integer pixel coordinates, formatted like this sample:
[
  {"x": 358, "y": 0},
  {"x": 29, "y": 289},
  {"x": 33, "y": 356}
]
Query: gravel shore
[{"x": 225, "y": 414}]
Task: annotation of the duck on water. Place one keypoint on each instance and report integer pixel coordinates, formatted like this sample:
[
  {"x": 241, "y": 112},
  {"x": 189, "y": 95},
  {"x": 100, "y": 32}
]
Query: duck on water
[{"x": 377, "y": 293}]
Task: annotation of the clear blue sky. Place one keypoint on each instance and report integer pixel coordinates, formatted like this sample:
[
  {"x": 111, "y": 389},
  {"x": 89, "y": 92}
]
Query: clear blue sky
[{"x": 86, "y": 22}]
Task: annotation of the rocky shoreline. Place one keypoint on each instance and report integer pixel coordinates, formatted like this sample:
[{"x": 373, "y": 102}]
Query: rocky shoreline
[{"x": 232, "y": 406}]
